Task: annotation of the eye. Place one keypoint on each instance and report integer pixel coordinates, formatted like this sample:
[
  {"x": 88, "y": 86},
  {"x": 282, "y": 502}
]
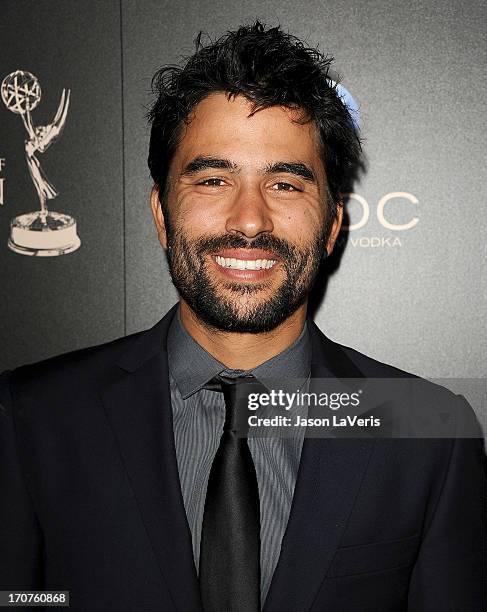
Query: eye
[
  {"x": 282, "y": 186},
  {"x": 212, "y": 182}
]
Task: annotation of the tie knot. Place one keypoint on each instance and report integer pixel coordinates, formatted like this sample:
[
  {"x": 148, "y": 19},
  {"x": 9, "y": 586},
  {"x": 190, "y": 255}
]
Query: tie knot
[{"x": 235, "y": 392}]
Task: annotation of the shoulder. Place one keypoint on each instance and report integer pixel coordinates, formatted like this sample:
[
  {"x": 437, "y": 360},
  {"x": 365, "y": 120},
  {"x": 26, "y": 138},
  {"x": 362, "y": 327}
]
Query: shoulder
[
  {"x": 429, "y": 404},
  {"x": 69, "y": 374},
  {"x": 94, "y": 363},
  {"x": 79, "y": 359},
  {"x": 71, "y": 383},
  {"x": 374, "y": 369}
]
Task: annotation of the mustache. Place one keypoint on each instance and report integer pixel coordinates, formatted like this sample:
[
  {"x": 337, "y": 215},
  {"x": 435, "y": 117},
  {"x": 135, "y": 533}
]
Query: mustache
[{"x": 266, "y": 242}]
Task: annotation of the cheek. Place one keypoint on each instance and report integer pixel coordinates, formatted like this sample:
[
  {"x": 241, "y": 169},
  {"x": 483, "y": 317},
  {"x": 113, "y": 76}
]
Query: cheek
[
  {"x": 301, "y": 225},
  {"x": 196, "y": 217}
]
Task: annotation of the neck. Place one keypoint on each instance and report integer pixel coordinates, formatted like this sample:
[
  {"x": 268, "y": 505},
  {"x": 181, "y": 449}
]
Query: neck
[{"x": 243, "y": 351}]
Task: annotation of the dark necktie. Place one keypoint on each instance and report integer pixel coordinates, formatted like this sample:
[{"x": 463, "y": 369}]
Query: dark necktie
[{"x": 229, "y": 571}]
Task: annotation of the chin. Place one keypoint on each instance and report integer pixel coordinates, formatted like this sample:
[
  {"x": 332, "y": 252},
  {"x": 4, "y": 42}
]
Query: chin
[{"x": 261, "y": 317}]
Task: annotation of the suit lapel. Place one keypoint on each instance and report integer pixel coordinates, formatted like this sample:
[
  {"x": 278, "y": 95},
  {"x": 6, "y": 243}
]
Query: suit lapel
[
  {"x": 138, "y": 406},
  {"x": 329, "y": 477}
]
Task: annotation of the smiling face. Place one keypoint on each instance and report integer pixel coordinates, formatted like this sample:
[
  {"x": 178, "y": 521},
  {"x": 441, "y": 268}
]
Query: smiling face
[{"x": 246, "y": 214}]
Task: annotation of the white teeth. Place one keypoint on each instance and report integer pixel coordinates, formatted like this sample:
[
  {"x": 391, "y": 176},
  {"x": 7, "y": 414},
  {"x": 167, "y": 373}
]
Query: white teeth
[{"x": 245, "y": 264}]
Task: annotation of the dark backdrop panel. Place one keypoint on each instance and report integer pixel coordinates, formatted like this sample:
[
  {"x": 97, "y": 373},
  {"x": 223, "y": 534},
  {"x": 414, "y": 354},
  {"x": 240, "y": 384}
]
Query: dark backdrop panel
[
  {"x": 55, "y": 304},
  {"x": 416, "y": 70}
]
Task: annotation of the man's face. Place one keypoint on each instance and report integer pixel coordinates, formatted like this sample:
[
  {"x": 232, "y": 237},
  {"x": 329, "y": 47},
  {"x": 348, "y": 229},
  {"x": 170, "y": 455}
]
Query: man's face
[{"x": 246, "y": 214}]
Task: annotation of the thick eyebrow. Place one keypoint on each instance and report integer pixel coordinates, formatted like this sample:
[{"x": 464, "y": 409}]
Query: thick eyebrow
[
  {"x": 207, "y": 163},
  {"x": 296, "y": 168},
  {"x": 201, "y": 163}
]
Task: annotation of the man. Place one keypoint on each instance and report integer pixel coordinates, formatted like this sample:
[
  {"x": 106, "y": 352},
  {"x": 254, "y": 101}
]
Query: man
[{"x": 122, "y": 476}]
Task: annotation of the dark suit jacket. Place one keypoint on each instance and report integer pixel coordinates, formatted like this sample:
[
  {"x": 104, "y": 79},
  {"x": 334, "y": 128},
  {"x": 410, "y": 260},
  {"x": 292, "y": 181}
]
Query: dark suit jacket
[{"x": 91, "y": 501}]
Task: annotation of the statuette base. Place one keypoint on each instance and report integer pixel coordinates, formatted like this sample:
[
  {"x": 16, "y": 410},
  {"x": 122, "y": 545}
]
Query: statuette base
[{"x": 43, "y": 235}]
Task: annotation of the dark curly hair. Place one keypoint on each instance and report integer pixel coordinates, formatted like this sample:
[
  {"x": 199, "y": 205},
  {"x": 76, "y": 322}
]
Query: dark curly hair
[{"x": 269, "y": 68}]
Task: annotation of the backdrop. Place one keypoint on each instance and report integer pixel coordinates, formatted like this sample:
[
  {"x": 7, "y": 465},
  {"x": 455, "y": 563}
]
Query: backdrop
[{"x": 410, "y": 288}]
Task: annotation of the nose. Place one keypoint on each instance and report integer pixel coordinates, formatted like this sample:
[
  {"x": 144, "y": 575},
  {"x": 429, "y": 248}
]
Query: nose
[{"x": 249, "y": 214}]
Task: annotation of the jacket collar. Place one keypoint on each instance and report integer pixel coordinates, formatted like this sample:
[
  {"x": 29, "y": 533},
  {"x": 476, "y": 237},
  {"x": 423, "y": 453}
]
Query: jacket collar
[
  {"x": 147, "y": 344},
  {"x": 328, "y": 357}
]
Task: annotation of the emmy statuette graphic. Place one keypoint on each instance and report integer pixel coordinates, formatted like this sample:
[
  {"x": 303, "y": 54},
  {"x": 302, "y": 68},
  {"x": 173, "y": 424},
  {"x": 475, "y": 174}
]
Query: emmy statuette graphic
[{"x": 43, "y": 232}]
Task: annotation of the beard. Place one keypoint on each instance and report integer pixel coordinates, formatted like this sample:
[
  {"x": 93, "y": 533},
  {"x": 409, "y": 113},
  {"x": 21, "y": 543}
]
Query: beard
[{"x": 242, "y": 311}]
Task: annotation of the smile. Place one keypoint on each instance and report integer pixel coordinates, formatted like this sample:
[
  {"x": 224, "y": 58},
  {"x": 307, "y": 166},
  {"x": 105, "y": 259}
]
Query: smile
[{"x": 245, "y": 264}]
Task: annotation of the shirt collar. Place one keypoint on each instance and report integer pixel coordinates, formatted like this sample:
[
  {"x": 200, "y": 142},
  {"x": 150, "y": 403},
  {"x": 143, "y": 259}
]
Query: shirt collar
[{"x": 192, "y": 366}]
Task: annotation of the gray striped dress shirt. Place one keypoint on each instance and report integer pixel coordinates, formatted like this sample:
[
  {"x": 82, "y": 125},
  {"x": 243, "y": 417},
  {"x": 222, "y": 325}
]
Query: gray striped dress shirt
[{"x": 198, "y": 417}]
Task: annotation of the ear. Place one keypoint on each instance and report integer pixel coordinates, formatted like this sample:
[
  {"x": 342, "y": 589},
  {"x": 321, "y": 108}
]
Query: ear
[
  {"x": 335, "y": 228},
  {"x": 156, "y": 208}
]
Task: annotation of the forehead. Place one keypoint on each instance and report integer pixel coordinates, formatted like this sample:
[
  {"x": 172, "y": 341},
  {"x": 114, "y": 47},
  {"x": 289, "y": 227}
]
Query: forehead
[{"x": 221, "y": 126}]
